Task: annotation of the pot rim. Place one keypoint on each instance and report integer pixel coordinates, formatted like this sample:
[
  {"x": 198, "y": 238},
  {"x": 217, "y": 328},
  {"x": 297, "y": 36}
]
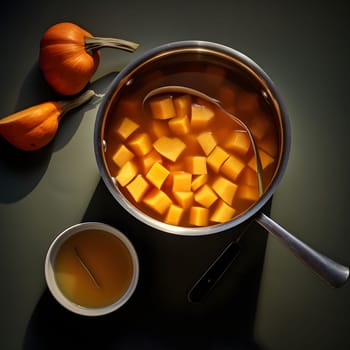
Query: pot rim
[{"x": 197, "y": 45}]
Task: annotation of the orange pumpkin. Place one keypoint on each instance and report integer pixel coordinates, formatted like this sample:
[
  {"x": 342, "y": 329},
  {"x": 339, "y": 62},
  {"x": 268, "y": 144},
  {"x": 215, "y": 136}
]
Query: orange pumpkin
[
  {"x": 69, "y": 56},
  {"x": 34, "y": 127}
]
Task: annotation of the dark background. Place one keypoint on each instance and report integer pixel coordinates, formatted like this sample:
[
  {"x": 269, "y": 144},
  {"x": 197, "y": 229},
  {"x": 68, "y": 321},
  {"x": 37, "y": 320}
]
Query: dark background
[{"x": 267, "y": 299}]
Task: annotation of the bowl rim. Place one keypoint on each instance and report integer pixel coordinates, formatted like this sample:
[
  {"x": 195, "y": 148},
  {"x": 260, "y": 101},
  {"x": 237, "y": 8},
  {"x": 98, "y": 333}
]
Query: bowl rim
[{"x": 50, "y": 275}]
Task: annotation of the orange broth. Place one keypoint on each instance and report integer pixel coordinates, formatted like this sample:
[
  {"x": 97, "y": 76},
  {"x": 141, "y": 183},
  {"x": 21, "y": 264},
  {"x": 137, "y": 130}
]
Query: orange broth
[
  {"x": 239, "y": 97},
  {"x": 93, "y": 268}
]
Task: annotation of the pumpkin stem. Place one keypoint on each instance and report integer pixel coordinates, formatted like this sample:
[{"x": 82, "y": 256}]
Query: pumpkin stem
[
  {"x": 67, "y": 105},
  {"x": 95, "y": 43}
]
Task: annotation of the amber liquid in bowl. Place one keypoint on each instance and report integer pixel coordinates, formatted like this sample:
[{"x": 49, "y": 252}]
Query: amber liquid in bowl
[
  {"x": 231, "y": 185},
  {"x": 93, "y": 268}
]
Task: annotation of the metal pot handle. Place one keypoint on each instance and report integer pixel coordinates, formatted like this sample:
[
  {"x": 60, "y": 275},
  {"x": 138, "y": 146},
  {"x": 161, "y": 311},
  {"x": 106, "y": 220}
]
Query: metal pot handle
[{"x": 330, "y": 271}]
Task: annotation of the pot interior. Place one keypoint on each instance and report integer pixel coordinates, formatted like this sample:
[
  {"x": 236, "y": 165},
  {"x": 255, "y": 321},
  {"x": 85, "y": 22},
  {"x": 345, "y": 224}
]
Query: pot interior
[{"x": 226, "y": 75}]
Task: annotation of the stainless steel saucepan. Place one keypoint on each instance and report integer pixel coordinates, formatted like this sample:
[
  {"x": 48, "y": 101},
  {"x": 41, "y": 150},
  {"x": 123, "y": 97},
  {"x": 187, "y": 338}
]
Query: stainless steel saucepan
[{"x": 199, "y": 51}]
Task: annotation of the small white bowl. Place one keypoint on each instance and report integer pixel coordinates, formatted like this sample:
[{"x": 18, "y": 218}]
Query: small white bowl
[{"x": 50, "y": 274}]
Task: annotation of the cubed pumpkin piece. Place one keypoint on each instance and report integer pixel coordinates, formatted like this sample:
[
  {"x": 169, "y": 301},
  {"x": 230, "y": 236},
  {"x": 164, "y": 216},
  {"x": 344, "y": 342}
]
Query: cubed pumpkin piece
[
  {"x": 247, "y": 103},
  {"x": 247, "y": 193},
  {"x": 162, "y": 107},
  {"x": 181, "y": 181},
  {"x": 131, "y": 107},
  {"x": 138, "y": 187},
  {"x": 260, "y": 125},
  {"x": 205, "y": 196},
  {"x": 222, "y": 212},
  {"x": 216, "y": 73},
  {"x": 269, "y": 145},
  {"x": 122, "y": 155},
  {"x": 238, "y": 142},
  {"x": 159, "y": 128},
  {"x": 201, "y": 116},
  {"x": 174, "y": 215},
  {"x": 198, "y": 181},
  {"x": 196, "y": 165},
  {"x": 183, "y": 105},
  {"x": 157, "y": 175},
  {"x": 207, "y": 142},
  {"x": 232, "y": 167},
  {"x": 179, "y": 125},
  {"x": 184, "y": 199},
  {"x": 126, "y": 127},
  {"x": 225, "y": 189},
  {"x": 198, "y": 216},
  {"x": 140, "y": 144},
  {"x": 173, "y": 166},
  {"x": 192, "y": 143},
  {"x": 149, "y": 159},
  {"x": 157, "y": 200},
  {"x": 216, "y": 158},
  {"x": 126, "y": 173},
  {"x": 227, "y": 95},
  {"x": 265, "y": 160},
  {"x": 249, "y": 177},
  {"x": 169, "y": 147}
]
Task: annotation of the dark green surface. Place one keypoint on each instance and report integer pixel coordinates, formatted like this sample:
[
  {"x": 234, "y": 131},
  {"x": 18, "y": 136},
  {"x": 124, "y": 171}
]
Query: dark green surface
[{"x": 304, "y": 47}]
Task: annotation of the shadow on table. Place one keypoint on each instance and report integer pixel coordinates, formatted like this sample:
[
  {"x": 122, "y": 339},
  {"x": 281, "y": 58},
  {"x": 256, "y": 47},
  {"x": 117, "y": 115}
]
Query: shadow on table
[{"x": 159, "y": 316}]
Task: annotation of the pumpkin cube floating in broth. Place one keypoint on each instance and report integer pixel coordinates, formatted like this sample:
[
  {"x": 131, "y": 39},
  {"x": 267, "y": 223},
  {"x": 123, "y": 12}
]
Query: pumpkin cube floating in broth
[
  {"x": 184, "y": 199},
  {"x": 179, "y": 125},
  {"x": 149, "y": 159},
  {"x": 222, "y": 212},
  {"x": 217, "y": 158},
  {"x": 248, "y": 177},
  {"x": 163, "y": 108},
  {"x": 127, "y": 172},
  {"x": 269, "y": 145},
  {"x": 248, "y": 193},
  {"x": 122, "y": 155},
  {"x": 169, "y": 147},
  {"x": 157, "y": 200},
  {"x": 183, "y": 105},
  {"x": 225, "y": 189},
  {"x": 126, "y": 128},
  {"x": 196, "y": 165},
  {"x": 227, "y": 94},
  {"x": 140, "y": 144},
  {"x": 185, "y": 162},
  {"x": 265, "y": 160},
  {"x": 159, "y": 128},
  {"x": 157, "y": 175},
  {"x": 207, "y": 142},
  {"x": 199, "y": 216},
  {"x": 260, "y": 126},
  {"x": 232, "y": 167},
  {"x": 138, "y": 187},
  {"x": 201, "y": 116},
  {"x": 181, "y": 181},
  {"x": 174, "y": 214},
  {"x": 205, "y": 196},
  {"x": 238, "y": 142},
  {"x": 199, "y": 181},
  {"x": 247, "y": 103}
]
